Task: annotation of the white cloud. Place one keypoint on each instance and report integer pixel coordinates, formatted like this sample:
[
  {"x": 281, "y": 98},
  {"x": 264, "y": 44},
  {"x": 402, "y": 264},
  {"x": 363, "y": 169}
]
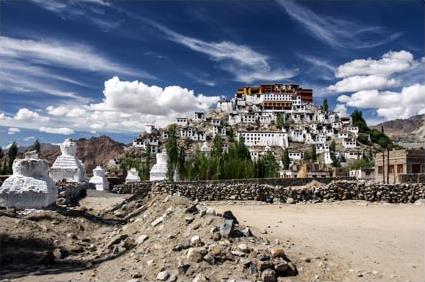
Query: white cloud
[
  {"x": 363, "y": 82},
  {"x": 388, "y": 104},
  {"x": 67, "y": 54},
  {"x": 136, "y": 96},
  {"x": 390, "y": 63},
  {"x": 25, "y": 114},
  {"x": 13, "y": 130},
  {"x": 341, "y": 109},
  {"x": 29, "y": 138},
  {"x": 126, "y": 107},
  {"x": 376, "y": 85},
  {"x": 57, "y": 130},
  {"x": 246, "y": 64},
  {"x": 336, "y": 32}
]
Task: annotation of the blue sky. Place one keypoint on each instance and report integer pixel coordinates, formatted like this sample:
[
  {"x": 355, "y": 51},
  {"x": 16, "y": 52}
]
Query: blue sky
[{"x": 87, "y": 68}]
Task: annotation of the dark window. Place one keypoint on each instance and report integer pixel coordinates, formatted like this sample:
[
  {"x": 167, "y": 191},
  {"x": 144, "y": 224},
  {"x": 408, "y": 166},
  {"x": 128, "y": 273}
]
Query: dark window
[
  {"x": 391, "y": 169},
  {"x": 380, "y": 169},
  {"x": 399, "y": 168},
  {"x": 416, "y": 168}
]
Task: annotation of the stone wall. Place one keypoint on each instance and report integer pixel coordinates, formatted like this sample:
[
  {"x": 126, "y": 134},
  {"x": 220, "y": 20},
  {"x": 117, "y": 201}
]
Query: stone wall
[
  {"x": 334, "y": 191},
  {"x": 412, "y": 178},
  {"x": 71, "y": 192}
]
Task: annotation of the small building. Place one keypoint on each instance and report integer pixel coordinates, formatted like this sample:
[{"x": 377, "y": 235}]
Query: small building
[
  {"x": 362, "y": 174},
  {"x": 296, "y": 155},
  {"x": 397, "y": 166},
  {"x": 182, "y": 121},
  {"x": 264, "y": 138},
  {"x": 199, "y": 116},
  {"x": 349, "y": 143}
]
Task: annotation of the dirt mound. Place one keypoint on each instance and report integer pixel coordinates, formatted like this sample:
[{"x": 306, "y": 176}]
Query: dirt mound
[{"x": 162, "y": 237}]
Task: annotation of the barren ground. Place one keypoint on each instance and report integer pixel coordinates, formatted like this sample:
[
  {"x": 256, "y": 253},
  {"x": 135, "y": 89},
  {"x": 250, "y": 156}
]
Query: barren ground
[
  {"x": 361, "y": 241},
  {"x": 341, "y": 241}
]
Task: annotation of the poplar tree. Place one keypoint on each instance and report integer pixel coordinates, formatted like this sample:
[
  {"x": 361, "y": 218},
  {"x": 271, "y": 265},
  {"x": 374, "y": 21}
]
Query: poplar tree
[
  {"x": 285, "y": 160},
  {"x": 325, "y": 105},
  {"x": 172, "y": 151}
]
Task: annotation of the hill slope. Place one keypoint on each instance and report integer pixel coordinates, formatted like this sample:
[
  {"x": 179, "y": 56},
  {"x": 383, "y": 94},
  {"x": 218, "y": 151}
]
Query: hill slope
[
  {"x": 92, "y": 152},
  {"x": 405, "y": 130}
]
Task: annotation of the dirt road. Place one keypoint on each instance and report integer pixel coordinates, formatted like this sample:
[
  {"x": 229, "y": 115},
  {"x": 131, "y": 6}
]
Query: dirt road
[{"x": 358, "y": 241}]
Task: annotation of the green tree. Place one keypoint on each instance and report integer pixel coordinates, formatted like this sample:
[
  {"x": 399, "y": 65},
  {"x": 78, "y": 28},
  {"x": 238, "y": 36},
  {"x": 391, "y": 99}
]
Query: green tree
[
  {"x": 313, "y": 153},
  {"x": 147, "y": 163},
  {"x": 181, "y": 164},
  {"x": 285, "y": 159},
  {"x": 280, "y": 121},
  {"x": 12, "y": 153},
  {"x": 36, "y": 146},
  {"x": 358, "y": 120},
  {"x": 172, "y": 151},
  {"x": 332, "y": 147},
  {"x": 325, "y": 105},
  {"x": 271, "y": 167},
  {"x": 217, "y": 148},
  {"x": 231, "y": 135}
]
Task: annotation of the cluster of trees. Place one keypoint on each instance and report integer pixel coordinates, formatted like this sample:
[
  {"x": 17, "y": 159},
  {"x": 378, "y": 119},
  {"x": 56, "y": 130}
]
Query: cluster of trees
[
  {"x": 10, "y": 156},
  {"x": 143, "y": 166},
  {"x": 235, "y": 163},
  {"x": 376, "y": 136}
]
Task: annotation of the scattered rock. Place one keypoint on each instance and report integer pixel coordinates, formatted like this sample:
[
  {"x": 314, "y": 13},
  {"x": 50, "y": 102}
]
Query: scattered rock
[
  {"x": 268, "y": 275},
  {"x": 142, "y": 238},
  {"x": 277, "y": 252},
  {"x": 200, "y": 278},
  {"x": 229, "y": 215},
  {"x": 210, "y": 211},
  {"x": 226, "y": 228},
  {"x": 163, "y": 276}
]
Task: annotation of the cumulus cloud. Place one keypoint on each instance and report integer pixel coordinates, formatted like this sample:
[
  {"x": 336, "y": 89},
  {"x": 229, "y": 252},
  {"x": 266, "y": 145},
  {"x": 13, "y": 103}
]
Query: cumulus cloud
[
  {"x": 363, "y": 82},
  {"x": 57, "y": 130},
  {"x": 341, "y": 109},
  {"x": 152, "y": 100},
  {"x": 126, "y": 107},
  {"x": 390, "y": 63},
  {"x": 389, "y": 104},
  {"x": 13, "y": 130},
  {"x": 392, "y": 85},
  {"x": 25, "y": 114}
]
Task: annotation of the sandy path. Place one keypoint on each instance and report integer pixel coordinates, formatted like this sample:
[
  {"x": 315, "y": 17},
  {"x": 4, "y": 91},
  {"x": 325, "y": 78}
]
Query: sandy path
[{"x": 373, "y": 242}]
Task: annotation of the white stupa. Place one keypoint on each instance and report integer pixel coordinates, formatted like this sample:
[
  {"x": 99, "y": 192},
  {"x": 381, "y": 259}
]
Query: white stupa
[
  {"x": 159, "y": 170},
  {"x": 30, "y": 185},
  {"x": 99, "y": 179},
  {"x": 67, "y": 167},
  {"x": 132, "y": 176}
]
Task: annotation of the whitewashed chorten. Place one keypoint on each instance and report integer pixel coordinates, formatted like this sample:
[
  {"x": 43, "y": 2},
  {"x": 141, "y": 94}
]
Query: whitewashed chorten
[
  {"x": 67, "y": 167},
  {"x": 99, "y": 179},
  {"x": 132, "y": 176},
  {"x": 30, "y": 185},
  {"x": 159, "y": 170}
]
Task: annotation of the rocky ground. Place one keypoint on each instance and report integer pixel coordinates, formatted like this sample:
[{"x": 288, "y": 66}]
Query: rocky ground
[{"x": 160, "y": 238}]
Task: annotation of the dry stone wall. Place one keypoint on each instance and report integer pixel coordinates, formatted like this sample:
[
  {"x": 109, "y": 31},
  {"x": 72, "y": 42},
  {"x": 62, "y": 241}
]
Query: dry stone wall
[{"x": 232, "y": 190}]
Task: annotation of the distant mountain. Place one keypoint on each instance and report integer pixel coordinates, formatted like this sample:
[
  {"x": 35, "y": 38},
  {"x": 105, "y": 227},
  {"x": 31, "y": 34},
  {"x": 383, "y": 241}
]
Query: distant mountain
[
  {"x": 92, "y": 152},
  {"x": 405, "y": 130}
]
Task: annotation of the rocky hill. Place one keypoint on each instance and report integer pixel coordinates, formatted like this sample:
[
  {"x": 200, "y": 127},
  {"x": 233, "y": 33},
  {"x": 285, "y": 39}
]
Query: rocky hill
[
  {"x": 405, "y": 130},
  {"x": 92, "y": 152}
]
